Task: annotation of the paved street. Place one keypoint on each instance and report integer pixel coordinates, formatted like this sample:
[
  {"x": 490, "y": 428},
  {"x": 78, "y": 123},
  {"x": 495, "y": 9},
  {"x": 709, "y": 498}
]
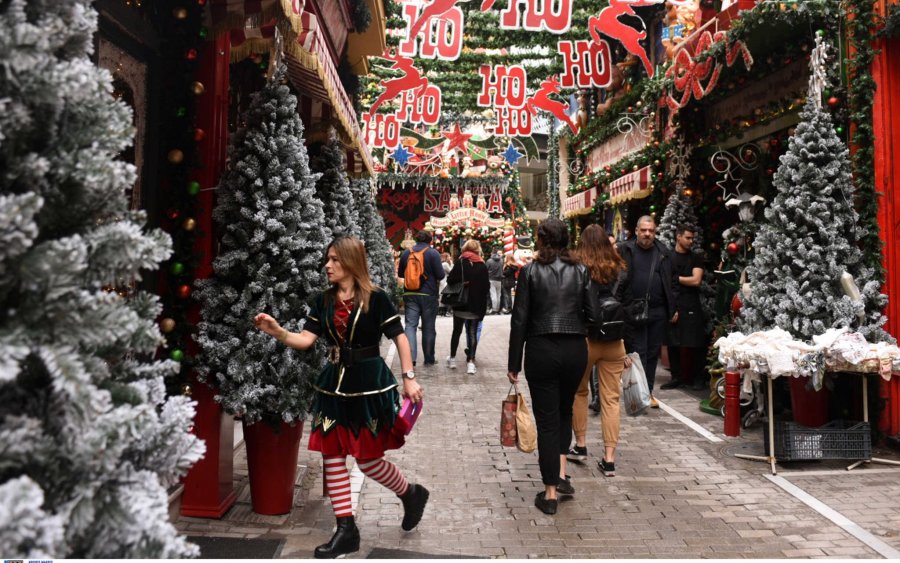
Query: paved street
[{"x": 676, "y": 493}]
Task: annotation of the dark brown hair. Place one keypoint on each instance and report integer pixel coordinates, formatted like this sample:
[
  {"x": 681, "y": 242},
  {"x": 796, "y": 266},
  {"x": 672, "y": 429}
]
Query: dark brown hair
[
  {"x": 598, "y": 255},
  {"x": 552, "y": 242}
]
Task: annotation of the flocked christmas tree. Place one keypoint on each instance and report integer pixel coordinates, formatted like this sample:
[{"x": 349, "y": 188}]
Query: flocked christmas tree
[
  {"x": 88, "y": 441},
  {"x": 810, "y": 239},
  {"x": 371, "y": 225},
  {"x": 679, "y": 211},
  {"x": 341, "y": 215},
  {"x": 270, "y": 261}
]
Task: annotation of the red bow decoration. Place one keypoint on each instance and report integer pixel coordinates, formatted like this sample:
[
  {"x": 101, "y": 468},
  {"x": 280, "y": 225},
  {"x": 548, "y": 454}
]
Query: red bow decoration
[{"x": 689, "y": 75}]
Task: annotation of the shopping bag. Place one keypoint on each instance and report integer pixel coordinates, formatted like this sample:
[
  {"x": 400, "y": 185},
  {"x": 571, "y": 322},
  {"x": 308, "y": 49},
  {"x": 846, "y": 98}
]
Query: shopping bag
[
  {"x": 635, "y": 391},
  {"x": 409, "y": 413},
  {"x": 526, "y": 439},
  {"x": 508, "y": 418}
]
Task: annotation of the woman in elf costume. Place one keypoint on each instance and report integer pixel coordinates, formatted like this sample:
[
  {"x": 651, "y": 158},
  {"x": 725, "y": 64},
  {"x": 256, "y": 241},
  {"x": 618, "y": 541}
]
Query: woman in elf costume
[{"x": 357, "y": 400}]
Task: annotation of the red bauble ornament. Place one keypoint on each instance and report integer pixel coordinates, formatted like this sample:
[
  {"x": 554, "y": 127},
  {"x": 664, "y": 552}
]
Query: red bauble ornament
[
  {"x": 184, "y": 291},
  {"x": 732, "y": 248},
  {"x": 172, "y": 213},
  {"x": 833, "y": 101},
  {"x": 191, "y": 54},
  {"x": 736, "y": 304},
  {"x": 199, "y": 134}
]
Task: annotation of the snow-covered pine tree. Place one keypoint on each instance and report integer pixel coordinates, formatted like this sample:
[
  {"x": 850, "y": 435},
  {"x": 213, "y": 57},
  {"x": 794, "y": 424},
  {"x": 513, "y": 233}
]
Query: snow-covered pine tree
[
  {"x": 341, "y": 215},
  {"x": 679, "y": 211},
  {"x": 808, "y": 240},
  {"x": 378, "y": 248},
  {"x": 270, "y": 261},
  {"x": 88, "y": 441}
]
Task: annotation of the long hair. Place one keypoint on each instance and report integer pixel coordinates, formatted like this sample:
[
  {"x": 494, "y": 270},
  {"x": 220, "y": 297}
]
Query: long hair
[
  {"x": 552, "y": 243},
  {"x": 598, "y": 255},
  {"x": 351, "y": 253}
]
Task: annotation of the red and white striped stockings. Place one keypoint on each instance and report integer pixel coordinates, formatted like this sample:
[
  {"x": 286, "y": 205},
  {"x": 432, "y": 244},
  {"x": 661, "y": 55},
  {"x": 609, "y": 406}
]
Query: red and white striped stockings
[{"x": 337, "y": 480}]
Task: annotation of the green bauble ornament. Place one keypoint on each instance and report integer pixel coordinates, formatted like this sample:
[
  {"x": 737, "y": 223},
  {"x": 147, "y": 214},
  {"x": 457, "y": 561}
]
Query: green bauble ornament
[
  {"x": 839, "y": 130},
  {"x": 194, "y": 187},
  {"x": 177, "y": 268},
  {"x": 176, "y": 355},
  {"x": 203, "y": 33},
  {"x": 181, "y": 112}
]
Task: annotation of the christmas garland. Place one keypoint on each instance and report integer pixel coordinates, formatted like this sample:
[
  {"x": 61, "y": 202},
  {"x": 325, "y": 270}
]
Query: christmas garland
[
  {"x": 862, "y": 34},
  {"x": 605, "y": 126},
  {"x": 892, "y": 22},
  {"x": 553, "y": 174},
  {"x": 392, "y": 180}
]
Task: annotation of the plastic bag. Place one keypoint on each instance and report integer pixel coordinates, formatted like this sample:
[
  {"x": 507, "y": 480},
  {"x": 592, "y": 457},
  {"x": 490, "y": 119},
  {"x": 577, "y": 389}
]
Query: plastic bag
[{"x": 635, "y": 391}]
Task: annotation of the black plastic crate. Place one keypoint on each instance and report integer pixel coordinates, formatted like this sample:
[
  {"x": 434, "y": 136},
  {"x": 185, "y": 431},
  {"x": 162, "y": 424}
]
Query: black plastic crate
[{"x": 838, "y": 439}]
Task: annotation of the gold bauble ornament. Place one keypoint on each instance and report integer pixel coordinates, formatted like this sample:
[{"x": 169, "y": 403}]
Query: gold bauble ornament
[
  {"x": 167, "y": 325},
  {"x": 186, "y": 390},
  {"x": 197, "y": 88},
  {"x": 189, "y": 224},
  {"x": 180, "y": 13},
  {"x": 175, "y": 156}
]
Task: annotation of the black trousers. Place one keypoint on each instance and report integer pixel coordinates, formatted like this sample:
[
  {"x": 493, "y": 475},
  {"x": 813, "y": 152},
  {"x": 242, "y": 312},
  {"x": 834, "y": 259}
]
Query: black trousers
[
  {"x": 554, "y": 366},
  {"x": 471, "y": 336},
  {"x": 647, "y": 341}
]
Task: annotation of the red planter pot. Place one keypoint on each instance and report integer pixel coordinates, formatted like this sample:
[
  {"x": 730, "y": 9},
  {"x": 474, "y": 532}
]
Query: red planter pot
[
  {"x": 272, "y": 464},
  {"x": 810, "y": 407}
]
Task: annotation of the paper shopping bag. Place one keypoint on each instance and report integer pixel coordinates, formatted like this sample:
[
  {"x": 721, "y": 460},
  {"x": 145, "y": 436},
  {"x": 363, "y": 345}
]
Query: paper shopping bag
[
  {"x": 526, "y": 439},
  {"x": 508, "y": 418}
]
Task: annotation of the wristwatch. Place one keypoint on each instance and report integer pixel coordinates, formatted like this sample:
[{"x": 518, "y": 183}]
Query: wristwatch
[{"x": 409, "y": 374}]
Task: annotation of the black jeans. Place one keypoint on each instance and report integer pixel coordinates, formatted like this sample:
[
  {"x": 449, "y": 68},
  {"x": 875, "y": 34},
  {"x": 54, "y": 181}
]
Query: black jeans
[
  {"x": 647, "y": 340},
  {"x": 554, "y": 366},
  {"x": 471, "y": 336}
]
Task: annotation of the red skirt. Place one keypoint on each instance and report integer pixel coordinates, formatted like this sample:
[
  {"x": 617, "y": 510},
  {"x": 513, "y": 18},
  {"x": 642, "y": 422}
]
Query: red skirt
[{"x": 341, "y": 441}]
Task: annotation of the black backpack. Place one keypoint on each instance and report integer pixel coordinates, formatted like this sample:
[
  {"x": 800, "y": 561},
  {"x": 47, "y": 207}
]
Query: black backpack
[{"x": 609, "y": 323}]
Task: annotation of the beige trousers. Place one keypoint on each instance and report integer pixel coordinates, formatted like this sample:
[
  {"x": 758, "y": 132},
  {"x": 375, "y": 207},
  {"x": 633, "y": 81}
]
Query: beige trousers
[{"x": 610, "y": 360}]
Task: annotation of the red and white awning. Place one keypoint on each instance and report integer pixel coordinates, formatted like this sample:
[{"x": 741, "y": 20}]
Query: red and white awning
[
  {"x": 633, "y": 185},
  {"x": 580, "y": 204}
]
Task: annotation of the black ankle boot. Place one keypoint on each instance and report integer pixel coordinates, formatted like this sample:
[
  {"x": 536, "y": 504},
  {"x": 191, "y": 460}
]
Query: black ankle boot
[
  {"x": 413, "y": 506},
  {"x": 344, "y": 540}
]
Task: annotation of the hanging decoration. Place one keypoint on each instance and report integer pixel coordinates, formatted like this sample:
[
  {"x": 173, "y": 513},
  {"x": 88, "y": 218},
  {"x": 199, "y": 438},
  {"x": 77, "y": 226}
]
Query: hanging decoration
[
  {"x": 401, "y": 155},
  {"x": 554, "y": 16},
  {"x": 440, "y": 25},
  {"x": 511, "y": 155},
  {"x": 607, "y": 22},
  {"x": 503, "y": 88},
  {"x": 689, "y": 72},
  {"x": 747, "y": 157},
  {"x": 456, "y": 139},
  {"x": 818, "y": 79},
  {"x": 411, "y": 81},
  {"x": 541, "y": 100}
]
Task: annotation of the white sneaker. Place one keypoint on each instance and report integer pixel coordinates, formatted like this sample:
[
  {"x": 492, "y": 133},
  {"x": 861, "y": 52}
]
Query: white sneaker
[
  {"x": 451, "y": 362},
  {"x": 470, "y": 368}
]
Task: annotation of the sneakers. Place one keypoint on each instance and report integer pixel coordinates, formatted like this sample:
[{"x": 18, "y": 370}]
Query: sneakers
[
  {"x": 565, "y": 486},
  {"x": 654, "y": 404},
  {"x": 577, "y": 453},
  {"x": 674, "y": 384},
  {"x": 547, "y": 506},
  {"x": 470, "y": 368},
  {"x": 451, "y": 362},
  {"x": 608, "y": 468}
]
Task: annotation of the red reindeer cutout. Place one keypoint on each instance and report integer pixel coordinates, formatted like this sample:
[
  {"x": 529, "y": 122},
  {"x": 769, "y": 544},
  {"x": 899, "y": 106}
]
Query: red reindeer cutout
[
  {"x": 433, "y": 10},
  {"x": 412, "y": 79},
  {"x": 541, "y": 100},
  {"x": 486, "y": 5},
  {"x": 607, "y": 22}
]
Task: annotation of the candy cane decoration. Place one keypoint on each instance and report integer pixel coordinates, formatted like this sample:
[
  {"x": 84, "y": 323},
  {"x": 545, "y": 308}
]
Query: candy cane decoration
[{"x": 509, "y": 238}]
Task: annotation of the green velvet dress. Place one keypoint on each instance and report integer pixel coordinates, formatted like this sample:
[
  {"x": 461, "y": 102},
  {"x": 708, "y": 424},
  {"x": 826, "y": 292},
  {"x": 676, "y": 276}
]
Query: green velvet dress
[{"x": 356, "y": 406}]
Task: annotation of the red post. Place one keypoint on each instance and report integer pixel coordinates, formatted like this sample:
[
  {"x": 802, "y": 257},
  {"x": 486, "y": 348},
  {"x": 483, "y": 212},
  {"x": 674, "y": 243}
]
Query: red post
[
  {"x": 208, "y": 486},
  {"x": 732, "y": 403},
  {"x": 886, "y": 122}
]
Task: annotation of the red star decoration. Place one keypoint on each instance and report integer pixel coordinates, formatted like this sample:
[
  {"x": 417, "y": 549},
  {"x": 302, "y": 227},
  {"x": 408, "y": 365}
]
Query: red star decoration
[{"x": 457, "y": 139}]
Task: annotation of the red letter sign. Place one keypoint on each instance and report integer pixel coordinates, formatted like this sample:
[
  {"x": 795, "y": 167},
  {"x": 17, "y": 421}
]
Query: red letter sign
[
  {"x": 554, "y": 16},
  {"x": 508, "y": 86},
  {"x": 591, "y": 60},
  {"x": 441, "y": 40}
]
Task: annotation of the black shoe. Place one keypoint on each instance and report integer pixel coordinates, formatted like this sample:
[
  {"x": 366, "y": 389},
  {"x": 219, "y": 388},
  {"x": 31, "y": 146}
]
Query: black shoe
[
  {"x": 544, "y": 505},
  {"x": 344, "y": 540},
  {"x": 674, "y": 384},
  {"x": 577, "y": 453},
  {"x": 413, "y": 506},
  {"x": 565, "y": 486},
  {"x": 594, "y": 405},
  {"x": 608, "y": 469}
]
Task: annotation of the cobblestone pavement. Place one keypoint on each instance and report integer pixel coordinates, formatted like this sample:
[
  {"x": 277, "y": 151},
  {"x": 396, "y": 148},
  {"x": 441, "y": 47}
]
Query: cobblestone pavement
[{"x": 676, "y": 494}]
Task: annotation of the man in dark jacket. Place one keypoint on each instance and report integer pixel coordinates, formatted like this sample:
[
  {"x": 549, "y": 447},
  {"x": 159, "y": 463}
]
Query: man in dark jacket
[
  {"x": 422, "y": 302},
  {"x": 651, "y": 278},
  {"x": 495, "y": 275}
]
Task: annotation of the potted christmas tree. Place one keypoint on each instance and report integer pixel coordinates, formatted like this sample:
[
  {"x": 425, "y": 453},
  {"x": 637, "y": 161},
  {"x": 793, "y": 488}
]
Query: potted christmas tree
[
  {"x": 88, "y": 440},
  {"x": 272, "y": 245}
]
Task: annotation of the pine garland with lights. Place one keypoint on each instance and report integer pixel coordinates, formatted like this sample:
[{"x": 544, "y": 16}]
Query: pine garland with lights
[
  {"x": 180, "y": 23},
  {"x": 553, "y": 175},
  {"x": 514, "y": 205}
]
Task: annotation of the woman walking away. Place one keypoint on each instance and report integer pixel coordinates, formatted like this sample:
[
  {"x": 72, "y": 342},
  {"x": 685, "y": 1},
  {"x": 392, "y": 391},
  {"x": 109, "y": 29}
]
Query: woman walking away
[
  {"x": 510, "y": 270},
  {"x": 550, "y": 318},
  {"x": 606, "y": 348},
  {"x": 471, "y": 269},
  {"x": 356, "y": 401}
]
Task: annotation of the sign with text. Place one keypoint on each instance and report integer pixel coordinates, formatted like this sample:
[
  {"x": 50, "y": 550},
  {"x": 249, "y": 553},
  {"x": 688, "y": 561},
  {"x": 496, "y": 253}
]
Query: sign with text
[
  {"x": 467, "y": 216},
  {"x": 382, "y": 130},
  {"x": 554, "y": 16},
  {"x": 616, "y": 148},
  {"x": 437, "y": 199},
  {"x": 591, "y": 61},
  {"x": 421, "y": 107},
  {"x": 441, "y": 33}
]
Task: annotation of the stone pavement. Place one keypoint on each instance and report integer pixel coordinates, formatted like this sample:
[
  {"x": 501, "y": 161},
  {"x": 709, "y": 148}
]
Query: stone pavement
[{"x": 676, "y": 493}]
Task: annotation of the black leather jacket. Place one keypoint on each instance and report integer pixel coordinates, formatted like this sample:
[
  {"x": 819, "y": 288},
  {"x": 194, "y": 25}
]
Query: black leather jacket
[{"x": 550, "y": 299}]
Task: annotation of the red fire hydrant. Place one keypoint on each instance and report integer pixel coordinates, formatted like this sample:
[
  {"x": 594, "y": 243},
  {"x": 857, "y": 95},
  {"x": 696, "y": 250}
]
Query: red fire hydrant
[{"x": 732, "y": 403}]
